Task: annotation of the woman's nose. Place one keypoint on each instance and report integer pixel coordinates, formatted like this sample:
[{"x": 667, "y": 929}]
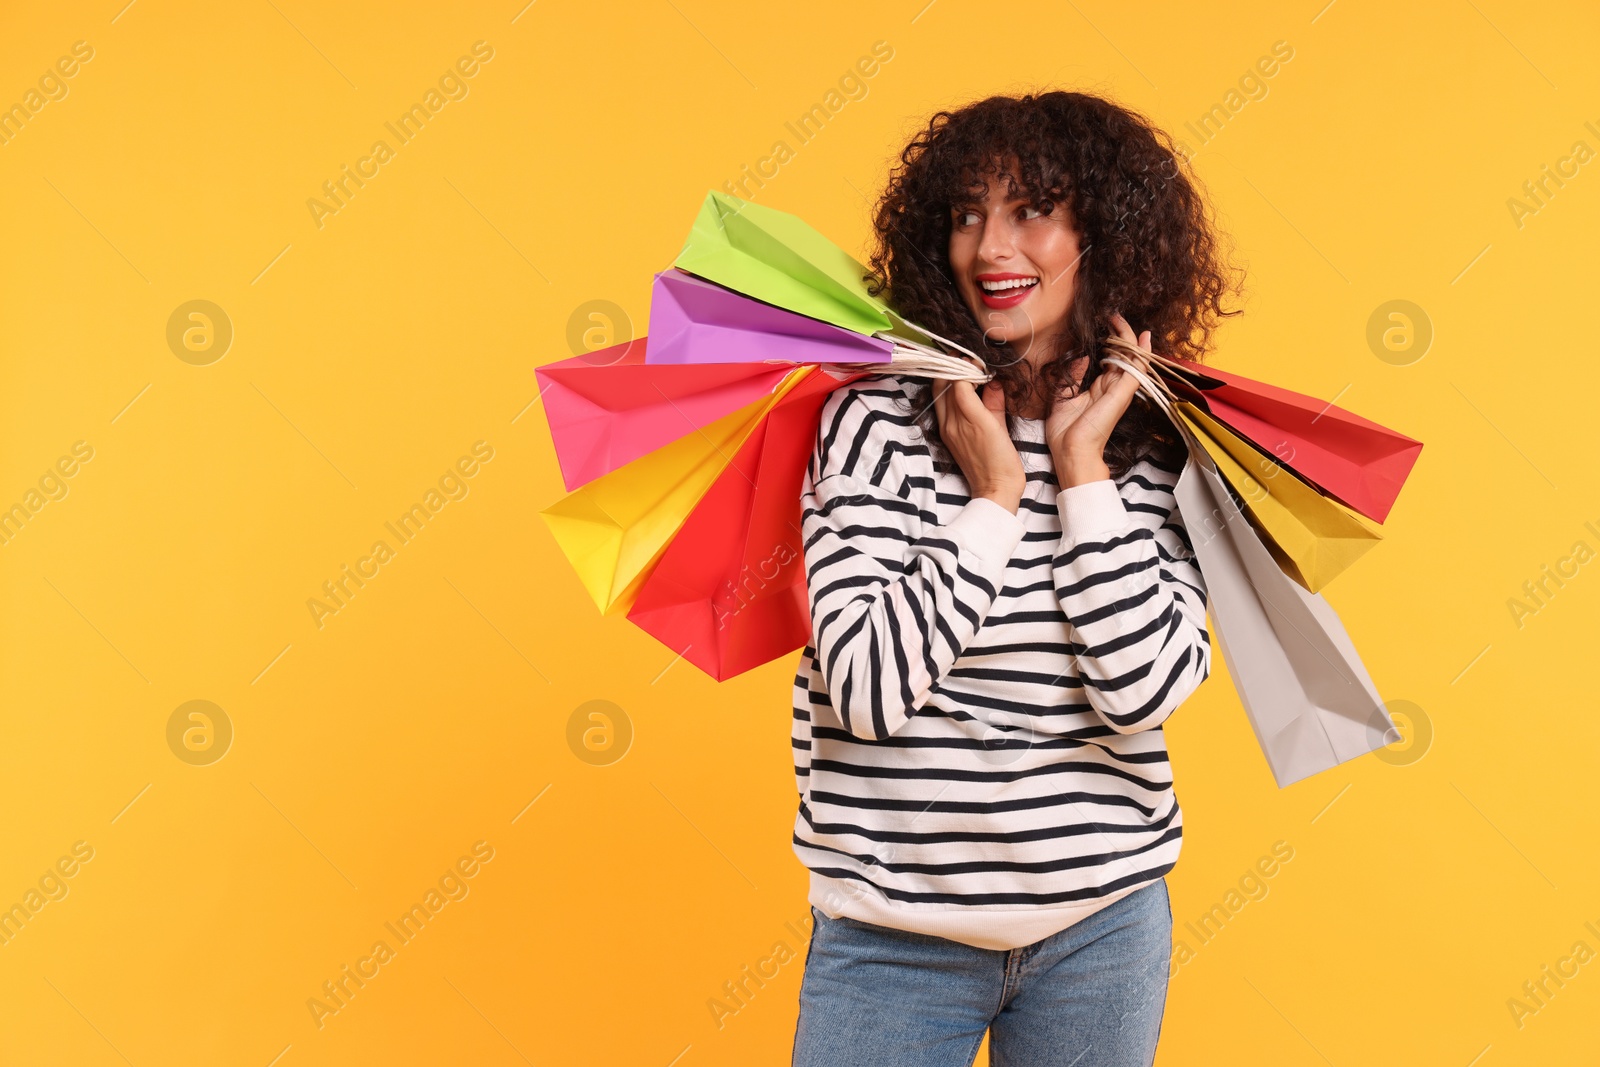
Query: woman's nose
[{"x": 997, "y": 245}]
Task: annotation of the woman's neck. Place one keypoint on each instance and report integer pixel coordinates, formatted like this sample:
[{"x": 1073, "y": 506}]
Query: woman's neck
[
  {"x": 1036, "y": 405},
  {"x": 1032, "y": 408}
]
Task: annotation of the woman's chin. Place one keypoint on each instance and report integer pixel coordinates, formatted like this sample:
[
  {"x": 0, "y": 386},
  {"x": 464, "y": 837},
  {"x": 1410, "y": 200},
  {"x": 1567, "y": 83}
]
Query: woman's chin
[{"x": 1006, "y": 332}]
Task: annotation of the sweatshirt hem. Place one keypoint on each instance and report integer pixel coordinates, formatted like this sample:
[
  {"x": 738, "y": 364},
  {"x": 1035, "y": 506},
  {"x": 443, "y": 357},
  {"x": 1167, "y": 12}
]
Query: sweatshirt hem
[{"x": 987, "y": 928}]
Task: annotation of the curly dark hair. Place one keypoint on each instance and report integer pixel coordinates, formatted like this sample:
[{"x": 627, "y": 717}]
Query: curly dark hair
[{"x": 1148, "y": 246}]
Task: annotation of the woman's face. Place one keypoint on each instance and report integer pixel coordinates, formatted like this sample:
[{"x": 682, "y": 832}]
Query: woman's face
[{"x": 1016, "y": 267}]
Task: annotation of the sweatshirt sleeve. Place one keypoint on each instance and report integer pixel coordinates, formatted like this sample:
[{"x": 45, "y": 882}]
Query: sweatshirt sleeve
[
  {"x": 1134, "y": 597},
  {"x": 894, "y": 597}
]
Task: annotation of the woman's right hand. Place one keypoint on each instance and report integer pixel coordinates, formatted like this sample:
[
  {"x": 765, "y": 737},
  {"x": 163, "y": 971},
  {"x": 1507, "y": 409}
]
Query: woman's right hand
[{"x": 974, "y": 430}]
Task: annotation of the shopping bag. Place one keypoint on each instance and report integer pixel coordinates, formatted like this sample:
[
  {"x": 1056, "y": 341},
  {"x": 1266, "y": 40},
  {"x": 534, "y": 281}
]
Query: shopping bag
[
  {"x": 729, "y": 593},
  {"x": 695, "y": 321},
  {"x": 1354, "y": 460},
  {"x": 613, "y": 529},
  {"x": 609, "y": 407},
  {"x": 1313, "y": 537},
  {"x": 778, "y": 258},
  {"x": 1309, "y": 698}
]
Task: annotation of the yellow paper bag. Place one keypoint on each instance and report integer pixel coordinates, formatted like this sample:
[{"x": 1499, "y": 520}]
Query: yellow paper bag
[
  {"x": 1312, "y": 536},
  {"x": 615, "y": 528}
]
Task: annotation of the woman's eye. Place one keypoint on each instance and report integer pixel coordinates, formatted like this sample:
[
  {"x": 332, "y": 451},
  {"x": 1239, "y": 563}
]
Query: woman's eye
[
  {"x": 966, "y": 218},
  {"x": 1031, "y": 212}
]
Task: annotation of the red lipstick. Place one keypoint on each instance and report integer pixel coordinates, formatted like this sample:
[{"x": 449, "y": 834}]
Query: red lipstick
[{"x": 1007, "y": 296}]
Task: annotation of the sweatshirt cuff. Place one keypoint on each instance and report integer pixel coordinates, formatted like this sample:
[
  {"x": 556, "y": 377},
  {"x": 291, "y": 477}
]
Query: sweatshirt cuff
[
  {"x": 1090, "y": 508},
  {"x": 987, "y": 530}
]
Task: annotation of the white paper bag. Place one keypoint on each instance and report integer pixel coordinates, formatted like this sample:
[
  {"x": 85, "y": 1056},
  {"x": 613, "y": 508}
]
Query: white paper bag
[{"x": 1309, "y": 698}]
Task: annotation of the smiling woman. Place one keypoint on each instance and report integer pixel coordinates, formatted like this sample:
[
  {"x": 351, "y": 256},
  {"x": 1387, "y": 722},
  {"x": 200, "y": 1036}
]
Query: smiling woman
[{"x": 1005, "y": 609}]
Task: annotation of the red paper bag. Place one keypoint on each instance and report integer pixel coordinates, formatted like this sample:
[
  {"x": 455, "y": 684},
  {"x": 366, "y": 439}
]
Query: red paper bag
[
  {"x": 1354, "y": 460},
  {"x": 609, "y": 407},
  {"x": 729, "y": 593}
]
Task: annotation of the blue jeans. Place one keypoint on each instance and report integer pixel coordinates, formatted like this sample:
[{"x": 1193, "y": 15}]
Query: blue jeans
[{"x": 1090, "y": 996}]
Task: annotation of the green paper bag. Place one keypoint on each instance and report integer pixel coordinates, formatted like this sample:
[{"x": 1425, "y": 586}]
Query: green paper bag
[{"x": 778, "y": 258}]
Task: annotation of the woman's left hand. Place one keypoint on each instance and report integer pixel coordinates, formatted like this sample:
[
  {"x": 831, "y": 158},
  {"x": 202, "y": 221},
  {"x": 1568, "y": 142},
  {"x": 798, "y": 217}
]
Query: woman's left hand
[{"x": 1080, "y": 423}]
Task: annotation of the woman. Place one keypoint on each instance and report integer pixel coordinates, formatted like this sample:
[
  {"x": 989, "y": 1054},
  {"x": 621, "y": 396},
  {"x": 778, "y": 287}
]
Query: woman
[{"x": 1005, "y": 608}]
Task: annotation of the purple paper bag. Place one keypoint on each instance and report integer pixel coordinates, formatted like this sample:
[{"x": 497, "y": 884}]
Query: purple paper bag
[{"x": 696, "y": 321}]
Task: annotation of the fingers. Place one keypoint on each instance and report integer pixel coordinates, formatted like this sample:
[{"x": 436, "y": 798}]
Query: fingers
[
  {"x": 963, "y": 398},
  {"x": 994, "y": 398},
  {"x": 941, "y": 404},
  {"x": 973, "y": 414},
  {"x": 1126, "y": 384},
  {"x": 1139, "y": 361},
  {"x": 1125, "y": 331},
  {"x": 1113, "y": 388},
  {"x": 956, "y": 402},
  {"x": 1120, "y": 324}
]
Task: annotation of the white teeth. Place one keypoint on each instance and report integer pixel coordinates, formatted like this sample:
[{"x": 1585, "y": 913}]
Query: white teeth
[{"x": 1014, "y": 283}]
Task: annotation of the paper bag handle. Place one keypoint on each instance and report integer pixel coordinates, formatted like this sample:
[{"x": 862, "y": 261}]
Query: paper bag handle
[{"x": 1156, "y": 390}]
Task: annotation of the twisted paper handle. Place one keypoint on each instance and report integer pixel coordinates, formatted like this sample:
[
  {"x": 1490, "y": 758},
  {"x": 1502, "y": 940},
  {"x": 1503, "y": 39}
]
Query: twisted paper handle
[
  {"x": 922, "y": 361},
  {"x": 1157, "y": 390},
  {"x": 930, "y": 335},
  {"x": 915, "y": 360},
  {"x": 1119, "y": 342}
]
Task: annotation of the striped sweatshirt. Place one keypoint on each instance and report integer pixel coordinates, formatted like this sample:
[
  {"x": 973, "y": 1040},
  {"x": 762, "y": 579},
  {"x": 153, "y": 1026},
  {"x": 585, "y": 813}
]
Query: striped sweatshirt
[{"x": 977, "y": 718}]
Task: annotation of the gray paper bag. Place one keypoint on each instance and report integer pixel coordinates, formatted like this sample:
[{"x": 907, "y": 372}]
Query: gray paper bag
[{"x": 1309, "y": 698}]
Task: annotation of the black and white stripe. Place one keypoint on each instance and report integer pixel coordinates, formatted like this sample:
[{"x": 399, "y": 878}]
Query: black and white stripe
[{"x": 977, "y": 718}]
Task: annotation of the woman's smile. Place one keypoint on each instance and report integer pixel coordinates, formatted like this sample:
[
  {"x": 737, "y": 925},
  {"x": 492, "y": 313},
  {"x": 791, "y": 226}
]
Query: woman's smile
[{"x": 1006, "y": 290}]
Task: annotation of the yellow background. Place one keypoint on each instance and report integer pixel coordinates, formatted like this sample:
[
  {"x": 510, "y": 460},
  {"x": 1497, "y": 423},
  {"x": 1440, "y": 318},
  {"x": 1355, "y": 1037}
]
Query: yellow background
[{"x": 432, "y": 711}]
